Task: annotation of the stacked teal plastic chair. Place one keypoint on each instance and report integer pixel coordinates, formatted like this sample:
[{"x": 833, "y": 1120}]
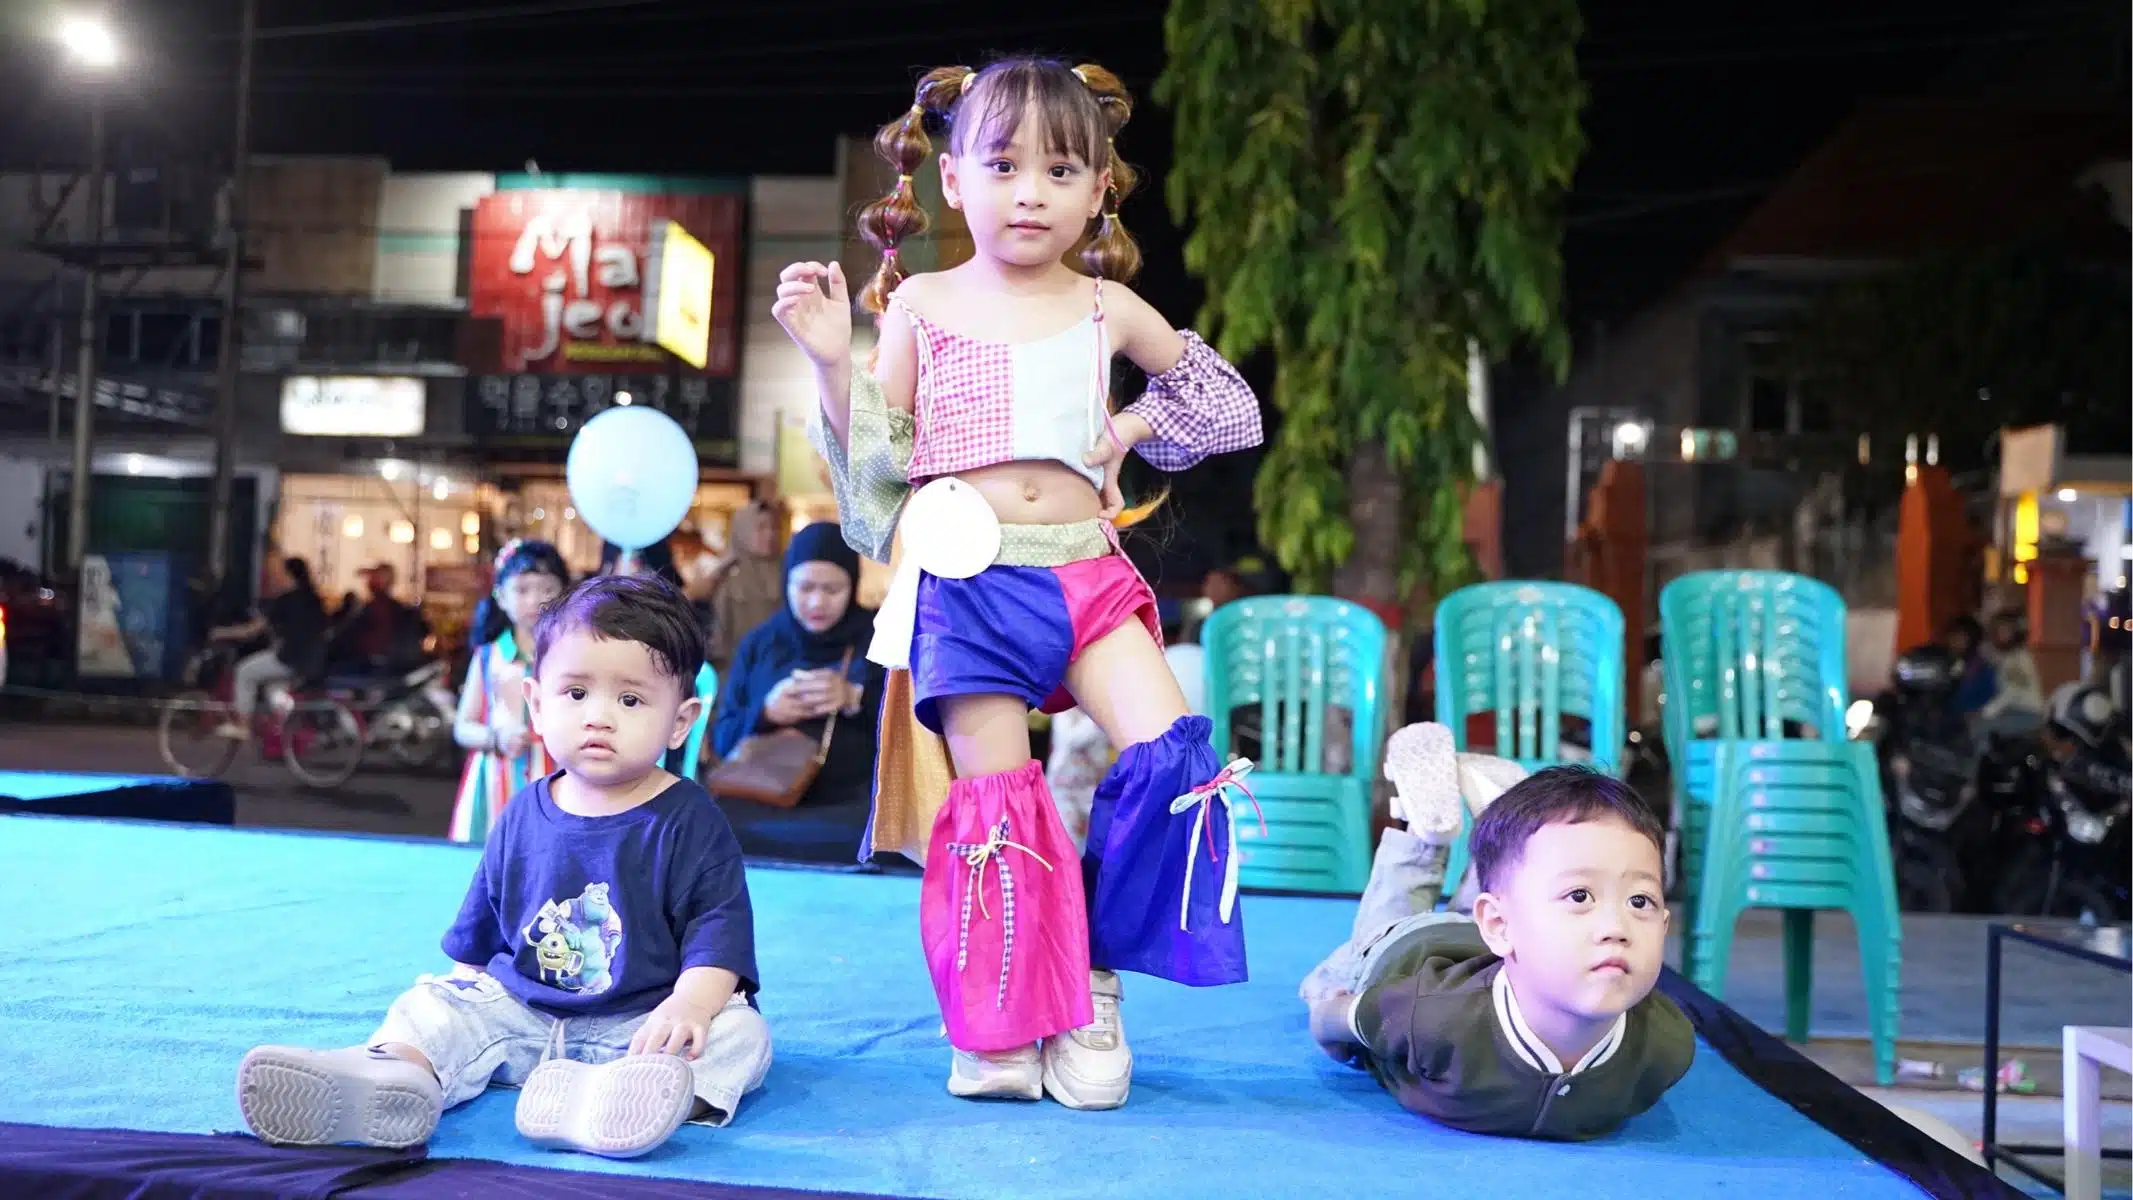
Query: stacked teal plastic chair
[
  {"x": 1530, "y": 654},
  {"x": 1779, "y": 810},
  {"x": 692, "y": 750},
  {"x": 1295, "y": 658}
]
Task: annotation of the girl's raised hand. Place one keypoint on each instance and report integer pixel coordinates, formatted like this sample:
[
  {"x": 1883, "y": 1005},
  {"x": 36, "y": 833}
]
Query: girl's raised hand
[{"x": 820, "y": 325}]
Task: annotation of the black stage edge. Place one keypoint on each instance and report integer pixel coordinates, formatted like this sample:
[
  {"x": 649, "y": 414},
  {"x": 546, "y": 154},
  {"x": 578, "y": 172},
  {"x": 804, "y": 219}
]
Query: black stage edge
[
  {"x": 120, "y": 1164},
  {"x": 1828, "y": 1101},
  {"x": 191, "y": 801},
  {"x": 126, "y": 1164}
]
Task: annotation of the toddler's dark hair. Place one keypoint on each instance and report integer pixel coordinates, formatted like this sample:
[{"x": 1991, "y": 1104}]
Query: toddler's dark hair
[
  {"x": 1555, "y": 796},
  {"x": 629, "y": 608}
]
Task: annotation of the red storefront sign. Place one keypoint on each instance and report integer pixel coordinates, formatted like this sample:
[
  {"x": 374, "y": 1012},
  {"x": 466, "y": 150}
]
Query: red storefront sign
[{"x": 563, "y": 272}]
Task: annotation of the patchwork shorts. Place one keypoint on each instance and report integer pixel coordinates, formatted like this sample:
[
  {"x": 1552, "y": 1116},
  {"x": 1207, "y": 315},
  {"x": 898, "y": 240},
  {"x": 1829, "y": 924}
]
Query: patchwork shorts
[{"x": 1014, "y": 630}]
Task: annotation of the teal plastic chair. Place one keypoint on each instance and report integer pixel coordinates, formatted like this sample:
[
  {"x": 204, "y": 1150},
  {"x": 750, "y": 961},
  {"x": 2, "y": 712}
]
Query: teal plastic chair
[
  {"x": 1295, "y": 658},
  {"x": 1798, "y": 826},
  {"x": 1744, "y": 652},
  {"x": 1530, "y": 654},
  {"x": 692, "y": 750},
  {"x": 1756, "y": 655},
  {"x": 1754, "y": 663}
]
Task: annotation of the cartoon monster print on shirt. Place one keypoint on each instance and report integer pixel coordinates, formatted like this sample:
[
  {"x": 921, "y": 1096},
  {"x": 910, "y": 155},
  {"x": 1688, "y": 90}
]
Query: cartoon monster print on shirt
[{"x": 575, "y": 942}]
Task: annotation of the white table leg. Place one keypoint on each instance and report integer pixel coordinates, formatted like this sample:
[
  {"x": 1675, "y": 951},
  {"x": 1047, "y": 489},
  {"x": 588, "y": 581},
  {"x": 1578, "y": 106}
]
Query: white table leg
[{"x": 2080, "y": 1077}]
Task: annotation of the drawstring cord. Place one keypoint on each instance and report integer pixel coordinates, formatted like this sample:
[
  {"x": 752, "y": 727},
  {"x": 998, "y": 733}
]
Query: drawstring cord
[
  {"x": 977, "y": 854},
  {"x": 1199, "y": 800}
]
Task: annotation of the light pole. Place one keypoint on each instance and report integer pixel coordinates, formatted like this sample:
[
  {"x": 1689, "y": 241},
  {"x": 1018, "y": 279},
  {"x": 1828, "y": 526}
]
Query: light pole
[
  {"x": 91, "y": 45},
  {"x": 232, "y": 346}
]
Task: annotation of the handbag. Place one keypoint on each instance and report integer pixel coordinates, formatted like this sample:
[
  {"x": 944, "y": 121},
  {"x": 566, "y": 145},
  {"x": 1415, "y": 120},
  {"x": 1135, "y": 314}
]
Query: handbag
[{"x": 775, "y": 768}]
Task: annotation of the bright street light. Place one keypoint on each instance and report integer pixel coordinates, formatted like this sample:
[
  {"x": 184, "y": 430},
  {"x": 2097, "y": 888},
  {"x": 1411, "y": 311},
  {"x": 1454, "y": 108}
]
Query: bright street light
[{"x": 89, "y": 41}]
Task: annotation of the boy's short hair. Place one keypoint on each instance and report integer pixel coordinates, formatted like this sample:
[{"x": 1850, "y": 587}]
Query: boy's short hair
[
  {"x": 628, "y": 608},
  {"x": 1554, "y": 796}
]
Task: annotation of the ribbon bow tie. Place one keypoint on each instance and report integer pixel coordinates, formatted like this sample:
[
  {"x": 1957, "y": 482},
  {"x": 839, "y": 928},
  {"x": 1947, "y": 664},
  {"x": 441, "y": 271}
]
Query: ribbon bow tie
[
  {"x": 1199, "y": 799},
  {"x": 977, "y": 854}
]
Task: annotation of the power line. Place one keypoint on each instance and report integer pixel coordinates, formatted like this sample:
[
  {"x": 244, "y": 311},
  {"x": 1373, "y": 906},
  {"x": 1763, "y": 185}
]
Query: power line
[{"x": 460, "y": 17}]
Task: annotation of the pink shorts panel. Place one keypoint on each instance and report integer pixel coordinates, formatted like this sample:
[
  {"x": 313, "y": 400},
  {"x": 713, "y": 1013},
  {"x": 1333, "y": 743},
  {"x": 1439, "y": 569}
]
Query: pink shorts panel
[{"x": 1101, "y": 595}]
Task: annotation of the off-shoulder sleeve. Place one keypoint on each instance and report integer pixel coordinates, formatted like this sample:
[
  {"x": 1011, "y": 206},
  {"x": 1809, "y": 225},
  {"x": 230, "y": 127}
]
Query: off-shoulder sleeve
[
  {"x": 1197, "y": 408},
  {"x": 869, "y": 470}
]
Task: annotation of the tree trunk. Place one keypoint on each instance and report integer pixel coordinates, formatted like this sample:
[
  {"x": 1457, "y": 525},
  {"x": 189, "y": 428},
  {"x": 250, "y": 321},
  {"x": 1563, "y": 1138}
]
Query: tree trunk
[{"x": 1371, "y": 575}]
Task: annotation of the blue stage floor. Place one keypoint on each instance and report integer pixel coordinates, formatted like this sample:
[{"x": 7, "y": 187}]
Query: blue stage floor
[{"x": 164, "y": 951}]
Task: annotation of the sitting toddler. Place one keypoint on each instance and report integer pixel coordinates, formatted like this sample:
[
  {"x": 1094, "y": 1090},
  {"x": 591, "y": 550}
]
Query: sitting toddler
[{"x": 606, "y": 950}]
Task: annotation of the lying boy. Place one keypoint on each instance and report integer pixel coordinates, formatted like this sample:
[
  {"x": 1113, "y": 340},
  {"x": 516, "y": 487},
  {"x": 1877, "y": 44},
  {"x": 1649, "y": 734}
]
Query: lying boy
[{"x": 1536, "y": 1017}]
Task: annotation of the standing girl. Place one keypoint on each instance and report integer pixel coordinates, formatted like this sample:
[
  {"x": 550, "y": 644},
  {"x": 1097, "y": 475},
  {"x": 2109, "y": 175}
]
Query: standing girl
[
  {"x": 504, "y": 754},
  {"x": 990, "y": 396}
]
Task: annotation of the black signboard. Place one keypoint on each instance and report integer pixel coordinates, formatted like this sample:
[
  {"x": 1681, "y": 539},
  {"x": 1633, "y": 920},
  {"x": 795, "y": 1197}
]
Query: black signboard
[{"x": 550, "y": 408}]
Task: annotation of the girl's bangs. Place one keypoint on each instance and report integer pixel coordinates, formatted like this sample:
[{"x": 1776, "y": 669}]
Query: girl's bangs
[{"x": 991, "y": 118}]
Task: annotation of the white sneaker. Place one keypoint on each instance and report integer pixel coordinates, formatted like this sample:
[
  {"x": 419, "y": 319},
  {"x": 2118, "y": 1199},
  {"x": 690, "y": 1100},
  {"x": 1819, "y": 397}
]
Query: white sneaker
[
  {"x": 997, "y": 1074},
  {"x": 1092, "y": 1067},
  {"x": 233, "y": 731},
  {"x": 1423, "y": 764}
]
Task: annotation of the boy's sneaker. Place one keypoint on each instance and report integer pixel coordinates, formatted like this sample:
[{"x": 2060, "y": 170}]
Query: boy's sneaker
[
  {"x": 1423, "y": 765},
  {"x": 996, "y": 1074},
  {"x": 1092, "y": 1067},
  {"x": 619, "y": 1109},
  {"x": 295, "y": 1097}
]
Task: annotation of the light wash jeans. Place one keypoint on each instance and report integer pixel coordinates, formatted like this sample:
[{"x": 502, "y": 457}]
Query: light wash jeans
[
  {"x": 475, "y": 1033},
  {"x": 1405, "y": 879},
  {"x": 253, "y": 672}
]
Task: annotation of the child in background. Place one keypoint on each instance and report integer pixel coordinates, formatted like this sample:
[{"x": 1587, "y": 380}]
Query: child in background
[
  {"x": 605, "y": 954},
  {"x": 503, "y": 756},
  {"x": 1536, "y": 1017}
]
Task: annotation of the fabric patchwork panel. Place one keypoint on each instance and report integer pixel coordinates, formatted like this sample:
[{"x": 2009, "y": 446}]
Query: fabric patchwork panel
[
  {"x": 1055, "y": 398},
  {"x": 965, "y": 403}
]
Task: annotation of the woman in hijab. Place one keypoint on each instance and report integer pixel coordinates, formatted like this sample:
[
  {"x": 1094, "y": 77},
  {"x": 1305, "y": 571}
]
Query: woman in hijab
[
  {"x": 803, "y": 664},
  {"x": 748, "y": 588}
]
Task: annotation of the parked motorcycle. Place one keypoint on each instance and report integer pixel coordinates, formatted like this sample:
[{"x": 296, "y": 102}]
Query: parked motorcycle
[
  {"x": 2078, "y": 860},
  {"x": 409, "y": 714},
  {"x": 1961, "y": 806}
]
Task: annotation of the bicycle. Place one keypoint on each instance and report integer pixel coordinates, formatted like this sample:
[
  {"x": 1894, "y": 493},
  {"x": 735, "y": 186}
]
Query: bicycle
[{"x": 309, "y": 729}]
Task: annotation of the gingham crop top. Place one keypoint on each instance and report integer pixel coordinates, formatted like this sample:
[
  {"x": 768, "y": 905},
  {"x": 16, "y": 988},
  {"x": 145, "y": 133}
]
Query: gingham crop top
[{"x": 978, "y": 403}]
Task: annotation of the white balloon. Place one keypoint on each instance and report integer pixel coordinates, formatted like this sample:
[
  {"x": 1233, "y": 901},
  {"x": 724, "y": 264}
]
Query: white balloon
[{"x": 632, "y": 474}]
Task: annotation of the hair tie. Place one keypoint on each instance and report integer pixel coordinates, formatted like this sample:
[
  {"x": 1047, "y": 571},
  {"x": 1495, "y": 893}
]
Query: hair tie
[
  {"x": 919, "y": 111},
  {"x": 1082, "y": 75},
  {"x": 969, "y": 77}
]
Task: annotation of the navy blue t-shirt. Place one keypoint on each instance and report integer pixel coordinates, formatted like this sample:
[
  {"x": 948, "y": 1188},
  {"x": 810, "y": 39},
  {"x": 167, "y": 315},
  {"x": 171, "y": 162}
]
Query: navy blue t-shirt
[{"x": 600, "y": 915}]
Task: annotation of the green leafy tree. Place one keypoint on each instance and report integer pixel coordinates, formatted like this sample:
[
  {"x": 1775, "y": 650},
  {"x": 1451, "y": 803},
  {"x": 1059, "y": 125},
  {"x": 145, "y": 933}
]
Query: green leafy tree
[
  {"x": 1962, "y": 345},
  {"x": 1369, "y": 184}
]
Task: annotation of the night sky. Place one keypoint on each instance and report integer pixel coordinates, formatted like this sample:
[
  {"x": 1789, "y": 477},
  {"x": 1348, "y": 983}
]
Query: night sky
[{"x": 1694, "y": 106}]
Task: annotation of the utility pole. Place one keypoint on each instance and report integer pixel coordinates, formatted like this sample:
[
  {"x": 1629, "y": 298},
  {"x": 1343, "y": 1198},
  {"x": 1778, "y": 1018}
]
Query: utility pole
[
  {"x": 47, "y": 561},
  {"x": 91, "y": 339},
  {"x": 232, "y": 347}
]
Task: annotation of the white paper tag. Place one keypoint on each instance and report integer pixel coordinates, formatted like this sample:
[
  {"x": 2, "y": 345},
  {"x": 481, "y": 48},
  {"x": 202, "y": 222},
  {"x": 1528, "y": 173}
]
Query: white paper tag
[{"x": 949, "y": 530}]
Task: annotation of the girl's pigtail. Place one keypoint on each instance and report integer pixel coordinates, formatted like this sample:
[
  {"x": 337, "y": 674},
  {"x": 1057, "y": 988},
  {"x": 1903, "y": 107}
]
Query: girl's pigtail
[
  {"x": 1112, "y": 253},
  {"x": 888, "y": 222}
]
